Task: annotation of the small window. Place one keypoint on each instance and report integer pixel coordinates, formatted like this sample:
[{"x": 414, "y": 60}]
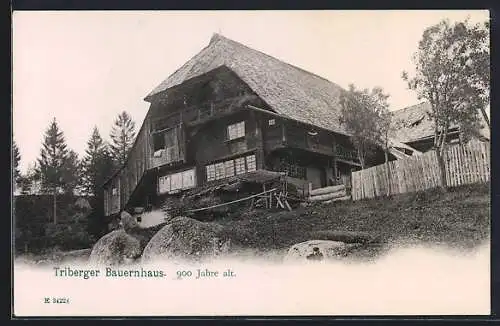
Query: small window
[
  {"x": 164, "y": 184},
  {"x": 158, "y": 142},
  {"x": 176, "y": 181},
  {"x": 188, "y": 179},
  {"x": 210, "y": 172},
  {"x": 236, "y": 130},
  {"x": 251, "y": 163},
  {"x": 272, "y": 122},
  {"x": 114, "y": 191},
  {"x": 229, "y": 166},
  {"x": 220, "y": 171},
  {"x": 239, "y": 165}
]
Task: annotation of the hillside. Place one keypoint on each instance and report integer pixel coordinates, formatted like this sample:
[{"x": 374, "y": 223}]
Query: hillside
[{"x": 459, "y": 218}]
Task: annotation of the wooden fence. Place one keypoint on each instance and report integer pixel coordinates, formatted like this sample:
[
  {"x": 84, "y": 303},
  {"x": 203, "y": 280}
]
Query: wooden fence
[{"x": 465, "y": 164}]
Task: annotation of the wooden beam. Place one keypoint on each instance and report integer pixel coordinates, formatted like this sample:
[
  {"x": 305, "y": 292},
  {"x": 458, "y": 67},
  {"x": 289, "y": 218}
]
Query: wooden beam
[{"x": 348, "y": 162}]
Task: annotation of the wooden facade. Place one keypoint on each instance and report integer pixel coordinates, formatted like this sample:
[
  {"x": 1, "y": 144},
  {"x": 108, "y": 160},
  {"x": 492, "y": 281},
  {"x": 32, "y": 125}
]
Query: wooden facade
[{"x": 214, "y": 127}]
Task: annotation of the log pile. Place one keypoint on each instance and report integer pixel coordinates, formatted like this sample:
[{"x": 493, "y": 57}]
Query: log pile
[{"x": 328, "y": 194}]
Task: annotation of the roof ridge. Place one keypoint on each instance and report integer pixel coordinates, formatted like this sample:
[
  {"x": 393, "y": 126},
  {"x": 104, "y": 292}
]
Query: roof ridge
[{"x": 217, "y": 37}]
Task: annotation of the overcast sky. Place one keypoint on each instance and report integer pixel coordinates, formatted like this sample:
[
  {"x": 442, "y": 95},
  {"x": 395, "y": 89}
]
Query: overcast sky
[{"x": 85, "y": 67}]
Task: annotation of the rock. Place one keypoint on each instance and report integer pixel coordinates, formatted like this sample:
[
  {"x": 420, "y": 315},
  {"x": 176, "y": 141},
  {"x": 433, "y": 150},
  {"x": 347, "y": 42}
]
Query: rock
[
  {"x": 115, "y": 248},
  {"x": 128, "y": 221},
  {"x": 320, "y": 250},
  {"x": 185, "y": 238}
]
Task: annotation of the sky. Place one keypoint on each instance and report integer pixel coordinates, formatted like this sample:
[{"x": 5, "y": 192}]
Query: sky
[{"x": 84, "y": 68}]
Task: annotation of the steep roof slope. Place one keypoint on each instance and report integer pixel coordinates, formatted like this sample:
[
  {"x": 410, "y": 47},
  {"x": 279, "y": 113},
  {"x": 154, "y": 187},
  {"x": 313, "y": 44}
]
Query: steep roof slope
[
  {"x": 288, "y": 90},
  {"x": 414, "y": 123}
]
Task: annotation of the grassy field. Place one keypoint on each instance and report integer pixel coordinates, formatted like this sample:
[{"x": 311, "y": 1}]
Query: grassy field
[{"x": 459, "y": 218}]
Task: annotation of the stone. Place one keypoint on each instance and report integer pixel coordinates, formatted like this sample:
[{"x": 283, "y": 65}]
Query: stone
[
  {"x": 317, "y": 250},
  {"x": 184, "y": 238},
  {"x": 127, "y": 221},
  {"x": 115, "y": 248}
]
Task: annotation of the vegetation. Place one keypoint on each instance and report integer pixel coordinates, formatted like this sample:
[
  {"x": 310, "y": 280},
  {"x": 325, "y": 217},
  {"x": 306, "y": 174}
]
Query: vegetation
[
  {"x": 459, "y": 218},
  {"x": 16, "y": 157},
  {"x": 97, "y": 165},
  {"x": 122, "y": 136},
  {"x": 452, "y": 74},
  {"x": 366, "y": 116},
  {"x": 36, "y": 232},
  {"x": 45, "y": 213},
  {"x": 57, "y": 165}
]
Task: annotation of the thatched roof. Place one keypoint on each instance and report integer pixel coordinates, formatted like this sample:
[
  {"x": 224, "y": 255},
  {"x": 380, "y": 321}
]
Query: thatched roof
[
  {"x": 414, "y": 123},
  {"x": 288, "y": 90}
]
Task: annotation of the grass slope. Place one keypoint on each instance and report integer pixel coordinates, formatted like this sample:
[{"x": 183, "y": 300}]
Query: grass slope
[{"x": 458, "y": 218}]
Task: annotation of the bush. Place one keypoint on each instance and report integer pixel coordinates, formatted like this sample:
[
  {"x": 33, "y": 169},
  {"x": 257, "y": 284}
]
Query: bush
[{"x": 68, "y": 236}]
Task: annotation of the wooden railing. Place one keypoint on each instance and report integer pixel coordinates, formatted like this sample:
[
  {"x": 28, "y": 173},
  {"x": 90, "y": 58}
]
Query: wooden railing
[{"x": 345, "y": 154}]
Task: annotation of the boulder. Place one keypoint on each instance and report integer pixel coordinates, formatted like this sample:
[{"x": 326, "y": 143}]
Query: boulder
[
  {"x": 115, "y": 248},
  {"x": 317, "y": 250},
  {"x": 127, "y": 221},
  {"x": 184, "y": 238}
]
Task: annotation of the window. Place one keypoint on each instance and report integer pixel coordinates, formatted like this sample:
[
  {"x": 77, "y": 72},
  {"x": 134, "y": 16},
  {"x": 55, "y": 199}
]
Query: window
[
  {"x": 272, "y": 122},
  {"x": 251, "y": 163},
  {"x": 188, "y": 179},
  {"x": 177, "y": 181},
  {"x": 229, "y": 165},
  {"x": 239, "y": 165},
  {"x": 165, "y": 144},
  {"x": 210, "y": 172},
  {"x": 230, "y": 168},
  {"x": 158, "y": 142},
  {"x": 220, "y": 171},
  {"x": 236, "y": 130},
  {"x": 164, "y": 184},
  {"x": 114, "y": 191},
  {"x": 295, "y": 171}
]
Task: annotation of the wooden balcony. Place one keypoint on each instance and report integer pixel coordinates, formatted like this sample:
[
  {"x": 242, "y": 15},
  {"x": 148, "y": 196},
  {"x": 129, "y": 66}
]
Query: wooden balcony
[
  {"x": 345, "y": 154},
  {"x": 165, "y": 156},
  {"x": 203, "y": 112}
]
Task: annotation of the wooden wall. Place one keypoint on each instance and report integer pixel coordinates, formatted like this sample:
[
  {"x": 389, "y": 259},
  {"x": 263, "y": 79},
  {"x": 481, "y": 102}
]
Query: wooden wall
[
  {"x": 127, "y": 178},
  {"x": 211, "y": 143},
  {"x": 465, "y": 164}
]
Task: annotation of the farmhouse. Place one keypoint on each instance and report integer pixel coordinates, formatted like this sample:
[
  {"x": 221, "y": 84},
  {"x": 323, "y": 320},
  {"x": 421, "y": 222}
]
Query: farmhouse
[
  {"x": 416, "y": 128},
  {"x": 234, "y": 113}
]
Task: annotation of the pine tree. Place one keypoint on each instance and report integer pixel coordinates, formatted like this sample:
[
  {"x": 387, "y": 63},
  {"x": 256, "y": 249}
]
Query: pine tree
[
  {"x": 71, "y": 173},
  {"x": 122, "y": 136},
  {"x": 97, "y": 164},
  {"x": 52, "y": 159},
  {"x": 16, "y": 157}
]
